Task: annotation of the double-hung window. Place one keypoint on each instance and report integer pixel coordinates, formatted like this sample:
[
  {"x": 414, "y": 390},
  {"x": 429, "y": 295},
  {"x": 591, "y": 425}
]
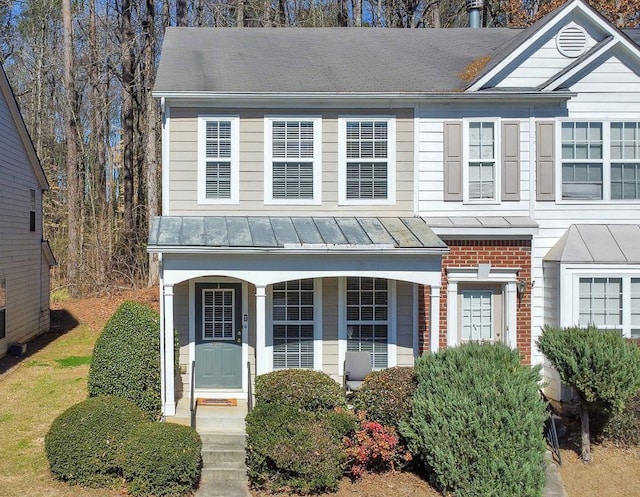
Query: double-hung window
[
  {"x": 3, "y": 307},
  {"x": 600, "y": 160},
  {"x": 625, "y": 160},
  {"x": 368, "y": 317},
  {"x": 367, "y": 150},
  {"x": 293, "y": 160},
  {"x": 610, "y": 302},
  {"x": 218, "y": 161},
  {"x": 481, "y": 160},
  {"x": 293, "y": 317}
]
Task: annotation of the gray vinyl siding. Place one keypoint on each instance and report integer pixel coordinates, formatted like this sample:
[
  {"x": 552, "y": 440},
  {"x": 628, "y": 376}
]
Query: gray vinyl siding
[
  {"x": 404, "y": 323},
  {"x": 181, "y": 324},
  {"x": 183, "y": 164},
  {"x": 21, "y": 257},
  {"x": 330, "y": 363}
]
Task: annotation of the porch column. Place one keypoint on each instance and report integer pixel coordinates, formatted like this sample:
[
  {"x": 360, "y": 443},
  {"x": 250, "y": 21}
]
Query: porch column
[
  {"x": 452, "y": 314},
  {"x": 434, "y": 319},
  {"x": 511, "y": 340},
  {"x": 261, "y": 329},
  {"x": 169, "y": 407}
]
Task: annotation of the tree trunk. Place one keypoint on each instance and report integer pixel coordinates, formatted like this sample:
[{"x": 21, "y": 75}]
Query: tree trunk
[
  {"x": 181, "y": 13},
  {"x": 74, "y": 247},
  {"x": 239, "y": 13},
  {"x": 128, "y": 74},
  {"x": 585, "y": 453},
  {"x": 357, "y": 12}
]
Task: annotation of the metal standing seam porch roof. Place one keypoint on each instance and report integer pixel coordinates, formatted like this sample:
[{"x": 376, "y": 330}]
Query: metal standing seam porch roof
[
  {"x": 597, "y": 244},
  {"x": 296, "y": 233}
]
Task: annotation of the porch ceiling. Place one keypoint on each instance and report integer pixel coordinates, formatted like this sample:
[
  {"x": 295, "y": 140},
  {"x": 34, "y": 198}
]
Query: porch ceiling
[{"x": 292, "y": 233}]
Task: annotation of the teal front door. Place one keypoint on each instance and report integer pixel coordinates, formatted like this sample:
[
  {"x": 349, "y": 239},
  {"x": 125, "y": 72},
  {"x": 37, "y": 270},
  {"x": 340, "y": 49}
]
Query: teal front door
[{"x": 218, "y": 335}]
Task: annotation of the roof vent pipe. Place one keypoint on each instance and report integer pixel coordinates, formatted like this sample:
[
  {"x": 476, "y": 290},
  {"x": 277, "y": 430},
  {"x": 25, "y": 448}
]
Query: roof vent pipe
[{"x": 474, "y": 8}]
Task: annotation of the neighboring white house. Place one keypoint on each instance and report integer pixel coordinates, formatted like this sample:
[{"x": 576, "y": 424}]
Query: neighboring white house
[
  {"x": 25, "y": 257},
  {"x": 394, "y": 191}
]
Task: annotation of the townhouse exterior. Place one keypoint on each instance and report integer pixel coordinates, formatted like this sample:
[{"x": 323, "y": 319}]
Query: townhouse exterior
[
  {"x": 25, "y": 257},
  {"x": 395, "y": 191}
]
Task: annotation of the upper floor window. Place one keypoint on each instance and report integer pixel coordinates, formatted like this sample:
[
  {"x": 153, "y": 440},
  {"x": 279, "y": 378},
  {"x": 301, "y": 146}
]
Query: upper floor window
[
  {"x": 292, "y": 160},
  {"x": 218, "y": 161},
  {"x": 482, "y": 166},
  {"x": 367, "y": 152},
  {"x": 600, "y": 160}
]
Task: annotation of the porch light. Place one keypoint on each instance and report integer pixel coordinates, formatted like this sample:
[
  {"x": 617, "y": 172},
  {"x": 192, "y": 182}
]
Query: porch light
[{"x": 521, "y": 288}]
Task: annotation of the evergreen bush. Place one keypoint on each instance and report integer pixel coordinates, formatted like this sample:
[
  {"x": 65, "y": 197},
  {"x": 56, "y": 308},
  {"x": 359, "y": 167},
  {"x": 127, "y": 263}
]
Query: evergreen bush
[
  {"x": 126, "y": 358},
  {"x": 600, "y": 365},
  {"x": 623, "y": 426},
  {"x": 162, "y": 459},
  {"x": 386, "y": 395},
  {"x": 290, "y": 449},
  {"x": 477, "y": 422},
  {"x": 300, "y": 388},
  {"x": 84, "y": 443}
]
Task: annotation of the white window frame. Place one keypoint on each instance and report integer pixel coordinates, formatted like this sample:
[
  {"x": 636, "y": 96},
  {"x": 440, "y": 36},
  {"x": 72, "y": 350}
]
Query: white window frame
[
  {"x": 317, "y": 325},
  {"x": 390, "y": 160},
  {"x": 269, "y": 160},
  {"x": 606, "y": 161},
  {"x": 570, "y": 291},
  {"x": 497, "y": 188},
  {"x": 202, "y": 158},
  {"x": 392, "y": 311}
]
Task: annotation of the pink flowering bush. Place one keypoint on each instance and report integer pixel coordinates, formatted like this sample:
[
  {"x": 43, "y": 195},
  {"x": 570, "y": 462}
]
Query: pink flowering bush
[{"x": 374, "y": 448}]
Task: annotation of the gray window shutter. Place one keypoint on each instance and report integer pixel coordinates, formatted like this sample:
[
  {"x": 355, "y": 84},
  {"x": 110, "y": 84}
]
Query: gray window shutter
[
  {"x": 545, "y": 161},
  {"x": 452, "y": 161},
  {"x": 511, "y": 160}
]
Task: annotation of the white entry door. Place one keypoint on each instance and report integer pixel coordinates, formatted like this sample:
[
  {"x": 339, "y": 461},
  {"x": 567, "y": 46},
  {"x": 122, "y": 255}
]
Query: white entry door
[{"x": 481, "y": 314}]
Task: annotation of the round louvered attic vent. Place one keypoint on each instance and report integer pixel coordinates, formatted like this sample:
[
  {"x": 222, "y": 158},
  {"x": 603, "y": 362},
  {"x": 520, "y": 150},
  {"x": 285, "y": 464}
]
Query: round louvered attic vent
[{"x": 571, "y": 41}]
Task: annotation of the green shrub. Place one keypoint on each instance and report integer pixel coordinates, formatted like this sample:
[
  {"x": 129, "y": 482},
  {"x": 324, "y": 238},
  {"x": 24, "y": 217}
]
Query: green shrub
[
  {"x": 386, "y": 395},
  {"x": 603, "y": 369},
  {"x": 341, "y": 422},
  {"x": 126, "y": 358},
  {"x": 477, "y": 422},
  {"x": 292, "y": 449},
  {"x": 300, "y": 388},
  {"x": 162, "y": 459},
  {"x": 83, "y": 444},
  {"x": 623, "y": 426}
]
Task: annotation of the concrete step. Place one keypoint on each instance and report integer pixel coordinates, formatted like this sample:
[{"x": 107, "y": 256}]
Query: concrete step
[
  {"x": 223, "y": 475},
  {"x": 223, "y": 440},
  {"x": 223, "y": 458},
  {"x": 223, "y": 489},
  {"x": 221, "y": 425}
]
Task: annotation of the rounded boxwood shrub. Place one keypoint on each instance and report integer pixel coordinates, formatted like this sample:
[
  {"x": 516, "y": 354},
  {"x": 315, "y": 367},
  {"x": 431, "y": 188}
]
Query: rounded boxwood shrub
[
  {"x": 386, "y": 395},
  {"x": 126, "y": 358},
  {"x": 162, "y": 459},
  {"x": 83, "y": 444},
  {"x": 300, "y": 388},
  {"x": 477, "y": 422},
  {"x": 292, "y": 449}
]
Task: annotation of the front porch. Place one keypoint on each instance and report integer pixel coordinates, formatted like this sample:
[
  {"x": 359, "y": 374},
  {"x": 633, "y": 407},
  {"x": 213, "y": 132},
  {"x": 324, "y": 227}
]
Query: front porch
[{"x": 291, "y": 305}]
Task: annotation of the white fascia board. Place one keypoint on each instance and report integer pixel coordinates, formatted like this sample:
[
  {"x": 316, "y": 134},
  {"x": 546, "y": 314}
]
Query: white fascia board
[
  {"x": 289, "y": 251},
  {"x": 560, "y": 15},
  {"x": 554, "y": 84},
  {"x": 455, "y": 232},
  {"x": 189, "y": 98}
]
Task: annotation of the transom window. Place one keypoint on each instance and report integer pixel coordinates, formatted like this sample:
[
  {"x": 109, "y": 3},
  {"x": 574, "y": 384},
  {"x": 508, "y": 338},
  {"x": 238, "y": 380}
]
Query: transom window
[
  {"x": 217, "y": 314},
  {"x": 218, "y": 169},
  {"x": 368, "y": 318},
  {"x": 367, "y": 160},
  {"x": 292, "y": 155},
  {"x": 293, "y": 324},
  {"x": 482, "y": 161},
  {"x": 600, "y": 160},
  {"x": 3, "y": 307}
]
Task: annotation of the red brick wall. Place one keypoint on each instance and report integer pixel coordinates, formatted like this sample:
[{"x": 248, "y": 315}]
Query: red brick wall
[{"x": 470, "y": 253}]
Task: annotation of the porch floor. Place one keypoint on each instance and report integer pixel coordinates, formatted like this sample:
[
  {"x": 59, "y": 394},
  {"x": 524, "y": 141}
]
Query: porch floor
[{"x": 212, "y": 419}]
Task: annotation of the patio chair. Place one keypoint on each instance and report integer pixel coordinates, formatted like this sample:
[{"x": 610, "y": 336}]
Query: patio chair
[{"x": 357, "y": 365}]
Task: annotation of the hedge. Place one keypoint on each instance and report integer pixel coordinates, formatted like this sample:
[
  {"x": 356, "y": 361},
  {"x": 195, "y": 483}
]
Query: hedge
[{"x": 84, "y": 443}]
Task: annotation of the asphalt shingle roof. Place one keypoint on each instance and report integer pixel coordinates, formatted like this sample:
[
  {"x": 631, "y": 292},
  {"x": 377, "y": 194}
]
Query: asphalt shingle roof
[{"x": 349, "y": 60}]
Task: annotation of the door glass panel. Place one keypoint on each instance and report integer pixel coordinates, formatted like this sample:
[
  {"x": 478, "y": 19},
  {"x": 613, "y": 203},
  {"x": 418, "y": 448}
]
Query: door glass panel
[
  {"x": 217, "y": 314},
  {"x": 477, "y": 315}
]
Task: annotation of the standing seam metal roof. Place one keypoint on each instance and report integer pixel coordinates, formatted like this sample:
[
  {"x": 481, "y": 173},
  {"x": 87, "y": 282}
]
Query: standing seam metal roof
[{"x": 292, "y": 232}]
